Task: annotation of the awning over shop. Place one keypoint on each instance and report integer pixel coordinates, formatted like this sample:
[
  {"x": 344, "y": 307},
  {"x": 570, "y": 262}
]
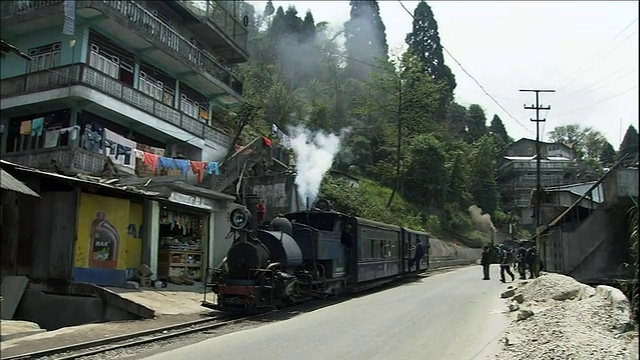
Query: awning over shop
[{"x": 8, "y": 182}]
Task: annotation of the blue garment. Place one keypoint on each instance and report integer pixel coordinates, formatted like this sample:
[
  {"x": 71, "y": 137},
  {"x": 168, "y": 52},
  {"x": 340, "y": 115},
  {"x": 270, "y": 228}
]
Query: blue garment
[
  {"x": 125, "y": 151},
  {"x": 37, "y": 127},
  {"x": 213, "y": 167},
  {"x": 166, "y": 163},
  {"x": 93, "y": 141},
  {"x": 184, "y": 165},
  {"x": 112, "y": 146}
]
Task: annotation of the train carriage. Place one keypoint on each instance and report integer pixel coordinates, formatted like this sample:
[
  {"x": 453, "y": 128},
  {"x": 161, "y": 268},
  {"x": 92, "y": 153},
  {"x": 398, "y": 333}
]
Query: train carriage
[{"x": 309, "y": 254}]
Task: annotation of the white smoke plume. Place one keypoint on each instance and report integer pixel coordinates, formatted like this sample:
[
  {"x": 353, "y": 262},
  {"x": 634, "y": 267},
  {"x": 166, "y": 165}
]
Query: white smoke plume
[
  {"x": 315, "y": 152},
  {"x": 482, "y": 221}
]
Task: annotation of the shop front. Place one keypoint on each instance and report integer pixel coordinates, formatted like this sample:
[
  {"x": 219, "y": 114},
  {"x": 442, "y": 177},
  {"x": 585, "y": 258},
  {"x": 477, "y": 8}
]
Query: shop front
[
  {"x": 187, "y": 232},
  {"x": 183, "y": 243}
]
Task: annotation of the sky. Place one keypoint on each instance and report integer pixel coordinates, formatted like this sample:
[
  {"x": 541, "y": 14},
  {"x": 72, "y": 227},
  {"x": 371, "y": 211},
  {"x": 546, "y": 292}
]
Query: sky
[{"x": 585, "y": 50}]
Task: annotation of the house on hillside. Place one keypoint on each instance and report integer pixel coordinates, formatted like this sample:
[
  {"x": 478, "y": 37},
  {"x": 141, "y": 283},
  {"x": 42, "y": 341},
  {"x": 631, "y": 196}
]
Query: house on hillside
[{"x": 517, "y": 173}]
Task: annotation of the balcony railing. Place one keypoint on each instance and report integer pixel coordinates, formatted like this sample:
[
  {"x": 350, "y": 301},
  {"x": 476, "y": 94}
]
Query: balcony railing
[
  {"x": 81, "y": 74},
  {"x": 227, "y": 17},
  {"x": 68, "y": 158},
  {"x": 144, "y": 21}
]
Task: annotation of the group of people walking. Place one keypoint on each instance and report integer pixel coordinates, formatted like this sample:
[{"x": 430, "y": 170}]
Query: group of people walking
[{"x": 524, "y": 258}]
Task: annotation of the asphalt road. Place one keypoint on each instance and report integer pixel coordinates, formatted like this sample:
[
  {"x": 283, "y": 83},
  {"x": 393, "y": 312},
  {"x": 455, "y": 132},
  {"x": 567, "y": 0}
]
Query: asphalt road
[{"x": 449, "y": 316}]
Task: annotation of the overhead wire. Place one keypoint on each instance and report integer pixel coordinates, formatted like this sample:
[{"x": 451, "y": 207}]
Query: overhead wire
[
  {"x": 473, "y": 78},
  {"x": 573, "y": 76},
  {"x": 597, "y": 103}
]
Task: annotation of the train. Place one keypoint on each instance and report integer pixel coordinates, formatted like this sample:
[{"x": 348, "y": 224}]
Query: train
[{"x": 311, "y": 254}]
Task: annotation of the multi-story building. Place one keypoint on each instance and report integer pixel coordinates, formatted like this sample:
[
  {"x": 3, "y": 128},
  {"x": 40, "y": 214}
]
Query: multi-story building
[
  {"x": 517, "y": 173},
  {"x": 110, "y": 82},
  {"x": 154, "y": 72}
]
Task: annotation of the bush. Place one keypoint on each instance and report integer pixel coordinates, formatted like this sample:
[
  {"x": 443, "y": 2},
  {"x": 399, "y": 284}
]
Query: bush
[{"x": 369, "y": 201}]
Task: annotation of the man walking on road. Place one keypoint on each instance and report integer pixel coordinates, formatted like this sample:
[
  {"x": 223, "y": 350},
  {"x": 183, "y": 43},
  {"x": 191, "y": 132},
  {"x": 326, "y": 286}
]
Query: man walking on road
[
  {"x": 506, "y": 258},
  {"x": 485, "y": 261}
]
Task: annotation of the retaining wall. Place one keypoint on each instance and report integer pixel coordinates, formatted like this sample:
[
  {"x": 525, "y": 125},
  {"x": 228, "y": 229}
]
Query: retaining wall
[{"x": 444, "y": 254}]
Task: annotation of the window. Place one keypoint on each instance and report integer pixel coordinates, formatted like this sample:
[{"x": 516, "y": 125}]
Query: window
[
  {"x": 44, "y": 57},
  {"x": 150, "y": 86},
  {"x": 105, "y": 62}
]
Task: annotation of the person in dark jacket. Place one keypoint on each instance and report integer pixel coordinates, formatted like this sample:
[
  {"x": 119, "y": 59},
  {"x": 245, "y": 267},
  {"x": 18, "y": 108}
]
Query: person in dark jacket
[
  {"x": 485, "y": 261},
  {"x": 506, "y": 258},
  {"x": 521, "y": 253},
  {"x": 532, "y": 258},
  {"x": 418, "y": 255}
]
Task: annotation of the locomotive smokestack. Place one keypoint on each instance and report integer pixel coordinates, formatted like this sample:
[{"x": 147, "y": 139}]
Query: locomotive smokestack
[
  {"x": 252, "y": 203},
  {"x": 308, "y": 208}
]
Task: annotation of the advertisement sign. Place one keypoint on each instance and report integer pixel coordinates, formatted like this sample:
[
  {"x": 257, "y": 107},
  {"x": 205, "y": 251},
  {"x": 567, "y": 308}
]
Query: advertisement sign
[{"x": 102, "y": 228}]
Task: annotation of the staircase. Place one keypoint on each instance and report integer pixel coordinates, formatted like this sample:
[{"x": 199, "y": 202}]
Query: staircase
[{"x": 239, "y": 164}]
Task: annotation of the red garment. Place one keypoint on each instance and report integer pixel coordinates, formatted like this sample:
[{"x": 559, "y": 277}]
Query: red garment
[
  {"x": 151, "y": 160},
  {"x": 261, "y": 210},
  {"x": 199, "y": 168},
  {"x": 267, "y": 141}
]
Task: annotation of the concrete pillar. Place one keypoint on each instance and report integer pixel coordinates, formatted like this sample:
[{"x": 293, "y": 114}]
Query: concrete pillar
[
  {"x": 211, "y": 237},
  {"x": 136, "y": 75},
  {"x": 151, "y": 235}
]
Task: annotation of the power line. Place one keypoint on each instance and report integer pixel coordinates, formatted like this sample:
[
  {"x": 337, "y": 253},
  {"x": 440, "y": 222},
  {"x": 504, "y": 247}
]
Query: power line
[
  {"x": 599, "y": 102},
  {"x": 598, "y": 82},
  {"x": 572, "y": 77},
  {"x": 473, "y": 78},
  {"x": 586, "y": 91}
]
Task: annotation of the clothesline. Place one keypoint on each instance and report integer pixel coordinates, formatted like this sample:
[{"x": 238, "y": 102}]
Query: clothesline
[{"x": 157, "y": 162}]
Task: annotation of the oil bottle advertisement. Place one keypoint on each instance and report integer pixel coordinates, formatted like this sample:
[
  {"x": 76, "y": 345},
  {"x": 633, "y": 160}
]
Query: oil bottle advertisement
[{"x": 102, "y": 224}]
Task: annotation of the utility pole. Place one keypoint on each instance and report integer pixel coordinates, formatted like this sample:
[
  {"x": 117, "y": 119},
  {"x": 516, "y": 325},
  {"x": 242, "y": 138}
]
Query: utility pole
[
  {"x": 399, "y": 146},
  {"x": 538, "y": 192}
]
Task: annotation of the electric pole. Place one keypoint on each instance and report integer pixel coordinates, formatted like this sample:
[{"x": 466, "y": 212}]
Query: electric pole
[{"x": 538, "y": 199}]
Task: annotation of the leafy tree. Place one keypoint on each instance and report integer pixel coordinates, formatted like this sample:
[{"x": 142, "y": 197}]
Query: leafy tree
[
  {"x": 365, "y": 38},
  {"x": 608, "y": 154},
  {"x": 425, "y": 171},
  {"x": 629, "y": 143},
  {"x": 483, "y": 164},
  {"x": 457, "y": 120},
  {"x": 308, "y": 29},
  {"x": 499, "y": 133},
  {"x": 476, "y": 123},
  {"x": 593, "y": 144},
  {"x": 424, "y": 41},
  {"x": 269, "y": 9}
]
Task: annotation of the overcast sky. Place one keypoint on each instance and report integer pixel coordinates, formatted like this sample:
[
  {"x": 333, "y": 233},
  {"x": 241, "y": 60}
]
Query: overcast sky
[{"x": 586, "y": 50}]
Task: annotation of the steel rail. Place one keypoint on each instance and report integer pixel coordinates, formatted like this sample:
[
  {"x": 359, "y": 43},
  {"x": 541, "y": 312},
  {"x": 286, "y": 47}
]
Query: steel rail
[{"x": 114, "y": 339}]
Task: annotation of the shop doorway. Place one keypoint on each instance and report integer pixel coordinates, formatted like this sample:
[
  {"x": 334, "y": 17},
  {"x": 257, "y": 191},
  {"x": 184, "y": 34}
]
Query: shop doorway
[{"x": 183, "y": 245}]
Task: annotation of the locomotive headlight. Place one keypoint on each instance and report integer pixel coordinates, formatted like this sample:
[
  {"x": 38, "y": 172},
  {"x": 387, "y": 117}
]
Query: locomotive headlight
[{"x": 239, "y": 218}]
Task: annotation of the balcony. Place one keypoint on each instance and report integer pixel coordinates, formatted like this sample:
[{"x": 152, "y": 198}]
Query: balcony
[
  {"x": 71, "y": 159},
  {"x": 133, "y": 27},
  {"x": 221, "y": 22},
  {"x": 82, "y": 75}
]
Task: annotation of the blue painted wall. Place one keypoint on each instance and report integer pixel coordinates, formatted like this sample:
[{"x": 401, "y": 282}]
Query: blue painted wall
[{"x": 13, "y": 65}]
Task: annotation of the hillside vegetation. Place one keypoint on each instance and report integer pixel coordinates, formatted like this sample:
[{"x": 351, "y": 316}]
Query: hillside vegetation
[{"x": 423, "y": 157}]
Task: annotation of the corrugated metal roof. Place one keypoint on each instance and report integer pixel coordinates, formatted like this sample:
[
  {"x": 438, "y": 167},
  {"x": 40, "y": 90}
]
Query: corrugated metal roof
[
  {"x": 83, "y": 179},
  {"x": 8, "y": 182}
]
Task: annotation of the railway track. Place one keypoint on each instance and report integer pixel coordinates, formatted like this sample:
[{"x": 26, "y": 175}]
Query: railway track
[
  {"x": 94, "y": 347},
  {"x": 89, "y": 348}
]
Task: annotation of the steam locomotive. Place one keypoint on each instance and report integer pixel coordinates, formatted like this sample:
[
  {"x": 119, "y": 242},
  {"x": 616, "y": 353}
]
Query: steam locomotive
[{"x": 308, "y": 255}]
